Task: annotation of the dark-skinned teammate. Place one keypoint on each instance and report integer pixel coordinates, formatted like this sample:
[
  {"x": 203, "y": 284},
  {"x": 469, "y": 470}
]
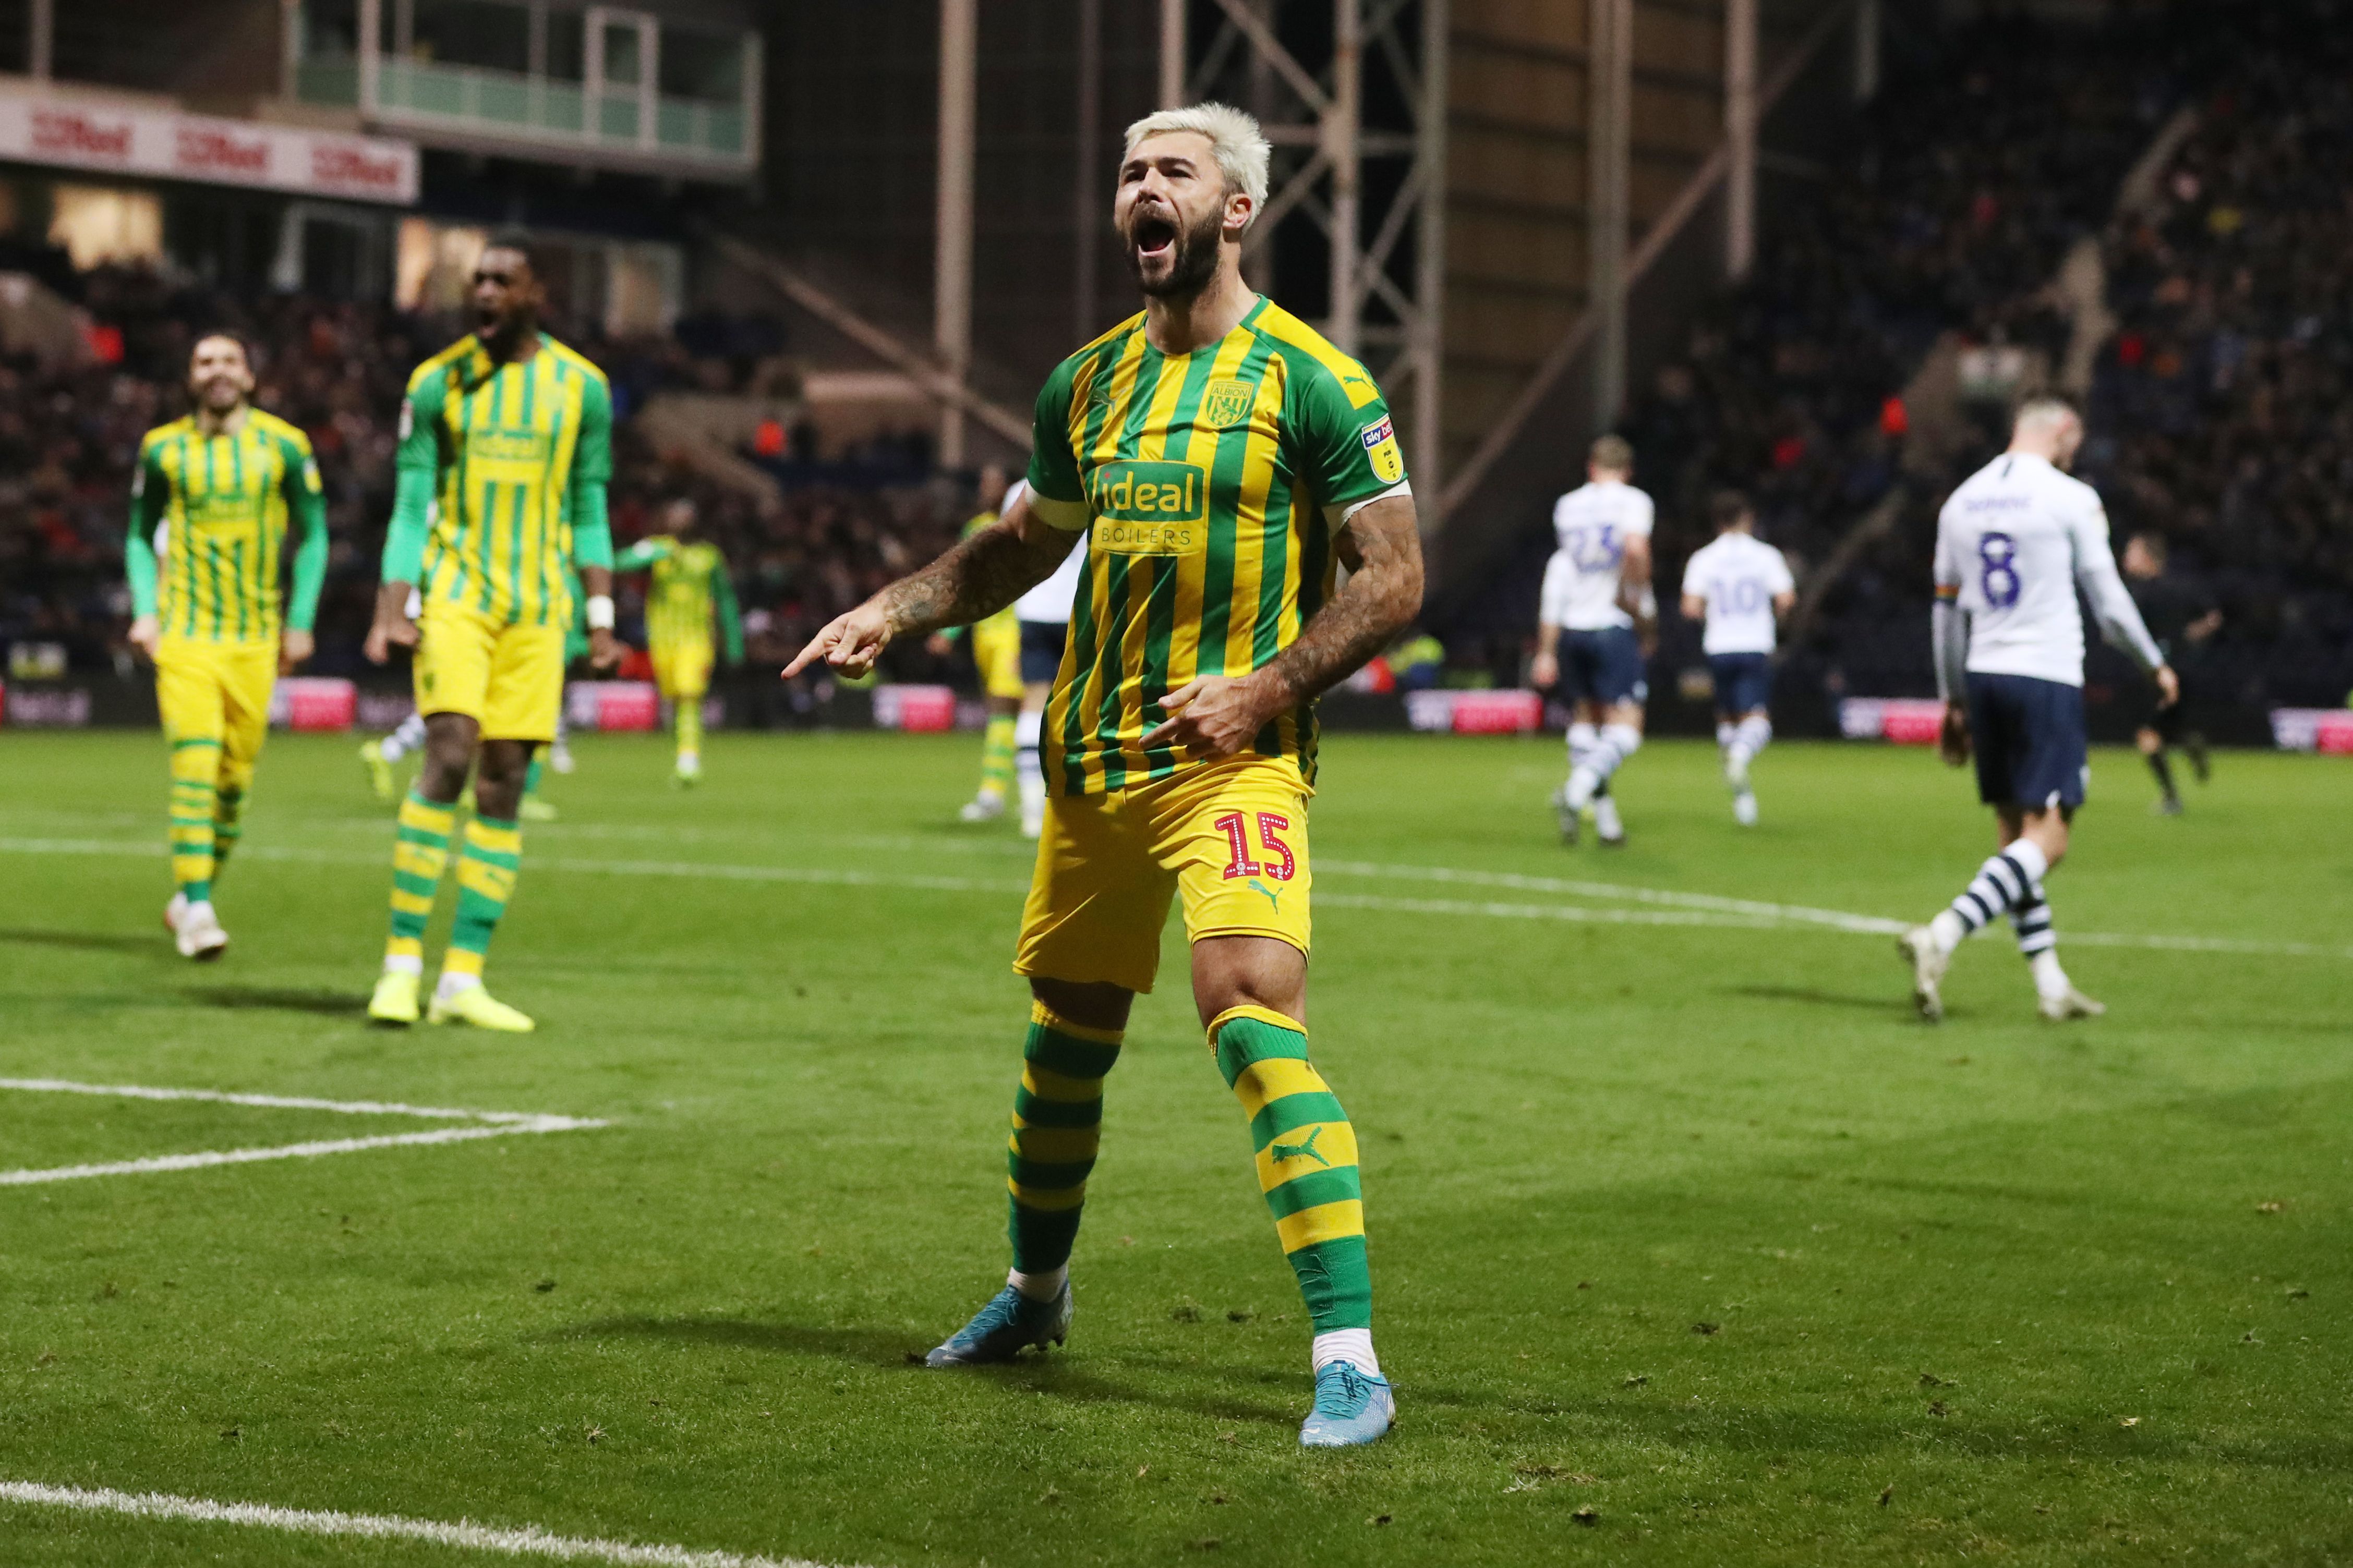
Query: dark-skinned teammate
[{"x": 505, "y": 448}]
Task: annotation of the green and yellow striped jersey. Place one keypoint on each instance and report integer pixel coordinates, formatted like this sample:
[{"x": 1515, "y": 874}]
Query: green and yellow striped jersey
[
  {"x": 1211, "y": 482},
  {"x": 226, "y": 501},
  {"x": 687, "y": 583},
  {"x": 508, "y": 449}
]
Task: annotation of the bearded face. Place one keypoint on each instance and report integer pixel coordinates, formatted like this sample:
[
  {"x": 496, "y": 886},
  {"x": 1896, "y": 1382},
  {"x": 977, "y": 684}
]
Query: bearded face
[
  {"x": 1173, "y": 257},
  {"x": 1171, "y": 214}
]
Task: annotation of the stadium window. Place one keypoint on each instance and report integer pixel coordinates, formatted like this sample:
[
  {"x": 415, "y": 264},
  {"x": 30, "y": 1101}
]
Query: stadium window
[
  {"x": 489, "y": 34},
  {"x": 567, "y": 46},
  {"x": 699, "y": 64},
  {"x": 331, "y": 29}
]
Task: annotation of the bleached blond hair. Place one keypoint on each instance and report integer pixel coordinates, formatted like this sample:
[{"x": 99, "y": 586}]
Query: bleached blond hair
[{"x": 1240, "y": 147}]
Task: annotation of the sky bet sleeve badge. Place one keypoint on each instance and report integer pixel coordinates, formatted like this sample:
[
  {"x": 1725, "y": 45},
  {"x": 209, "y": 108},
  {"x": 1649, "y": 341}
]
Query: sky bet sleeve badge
[{"x": 1380, "y": 445}]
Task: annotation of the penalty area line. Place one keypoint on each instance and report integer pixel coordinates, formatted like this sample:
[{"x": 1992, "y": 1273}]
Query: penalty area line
[
  {"x": 465, "y": 1535},
  {"x": 486, "y": 1125}
]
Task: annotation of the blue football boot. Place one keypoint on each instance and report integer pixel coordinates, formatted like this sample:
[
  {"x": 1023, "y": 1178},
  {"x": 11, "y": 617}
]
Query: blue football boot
[
  {"x": 1351, "y": 1408},
  {"x": 1010, "y": 1323}
]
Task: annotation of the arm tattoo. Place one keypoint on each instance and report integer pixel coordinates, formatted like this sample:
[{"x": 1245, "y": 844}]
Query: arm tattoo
[
  {"x": 1380, "y": 598},
  {"x": 976, "y": 578}
]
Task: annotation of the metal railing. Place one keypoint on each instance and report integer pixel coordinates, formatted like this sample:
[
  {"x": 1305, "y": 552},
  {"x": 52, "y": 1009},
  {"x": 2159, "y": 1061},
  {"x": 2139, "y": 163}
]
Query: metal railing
[{"x": 532, "y": 109}]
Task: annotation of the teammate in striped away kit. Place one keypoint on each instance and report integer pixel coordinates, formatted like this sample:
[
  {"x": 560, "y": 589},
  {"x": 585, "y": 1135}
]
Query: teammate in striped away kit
[
  {"x": 1736, "y": 586},
  {"x": 505, "y": 448},
  {"x": 1596, "y": 613},
  {"x": 997, "y": 658},
  {"x": 1221, "y": 459},
  {"x": 223, "y": 484},
  {"x": 688, "y": 589},
  {"x": 1043, "y": 617},
  {"x": 2013, "y": 545}
]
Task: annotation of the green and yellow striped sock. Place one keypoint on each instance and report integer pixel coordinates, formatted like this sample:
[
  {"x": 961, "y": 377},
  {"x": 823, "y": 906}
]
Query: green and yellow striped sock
[
  {"x": 229, "y": 823},
  {"x": 1307, "y": 1161},
  {"x": 1057, "y": 1124},
  {"x": 195, "y": 765},
  {"x": 530, "y": 775},
  {"x": 486, "y": 879},
  {"x": 688, "y": 717},
  {"x": 419, "y": 855},
  {"x": 996, "y": 755}
]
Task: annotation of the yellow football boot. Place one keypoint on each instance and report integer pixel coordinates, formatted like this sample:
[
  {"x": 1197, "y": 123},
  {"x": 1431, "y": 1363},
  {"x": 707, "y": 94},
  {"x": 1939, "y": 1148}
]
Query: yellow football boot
[
  {"x": 395, "y": 1001},
  {"x": 477, "y": 1006},
  {"x": 379, "y": 771}
]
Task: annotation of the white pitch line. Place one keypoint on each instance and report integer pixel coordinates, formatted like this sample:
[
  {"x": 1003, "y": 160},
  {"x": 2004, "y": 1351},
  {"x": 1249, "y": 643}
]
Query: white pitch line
[
  {"x": 203, "y": 1158},
  {"x": 528, "y": 1541},
  {"x": 1707, "y": 908},
  {"x": 269, "y": 1101},
  {"x": 489, "y": 1125}
]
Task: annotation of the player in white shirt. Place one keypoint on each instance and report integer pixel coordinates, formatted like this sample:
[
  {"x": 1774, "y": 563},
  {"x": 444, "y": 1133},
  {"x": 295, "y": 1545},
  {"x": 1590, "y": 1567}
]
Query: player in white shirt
[
  {"x": 1739, "y": 585},
  {"x": 2013, "y": 545},
  {"x": 1596, "y": 615},
  {"x": 1044, "y": 616}
]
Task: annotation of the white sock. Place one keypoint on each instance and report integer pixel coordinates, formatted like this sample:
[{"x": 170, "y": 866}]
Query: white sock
[
  {"x": 1947, "y": 931},
  {"x": 2049, "y": 980},
  {"x": 1605, "y": 816},
  {"x": 1750, "y": 737},
  {"x": 689, "y": 759},
  {"x": 1582, "y": 780},
  {"x": 1027, "y": 770},
  {"x": 403, "y": 964},
  {"x": 1040, "y": 1286},
  {"x": 1724, "y": 733},
  {"x": 1352, "y": 1345},
  {"x": 451, "y": 983},
  {"x": 404, "y": 740},
  {"x": 1618, "y": 742}
]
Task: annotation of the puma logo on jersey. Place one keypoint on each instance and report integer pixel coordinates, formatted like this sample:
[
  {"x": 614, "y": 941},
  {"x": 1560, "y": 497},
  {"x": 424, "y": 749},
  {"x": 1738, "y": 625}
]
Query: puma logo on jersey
[{"x": 1279, "y": 1152}]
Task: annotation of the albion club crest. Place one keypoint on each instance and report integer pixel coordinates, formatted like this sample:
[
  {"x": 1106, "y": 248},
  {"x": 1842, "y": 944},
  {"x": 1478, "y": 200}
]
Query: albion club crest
[{"x": 1227, "y": 403}]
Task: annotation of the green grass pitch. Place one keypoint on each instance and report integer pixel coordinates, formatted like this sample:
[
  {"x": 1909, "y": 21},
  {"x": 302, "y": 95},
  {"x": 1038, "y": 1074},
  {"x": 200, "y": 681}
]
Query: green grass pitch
[{"x": 1689, "y": 1245}]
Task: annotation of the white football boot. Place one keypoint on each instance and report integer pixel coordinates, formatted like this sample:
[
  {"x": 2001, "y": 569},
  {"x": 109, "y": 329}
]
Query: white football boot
[
  {"x": 197, "y": 933},
  {"x": 1919, "y": 948},
  {"x": 2062, "y": 1006}
]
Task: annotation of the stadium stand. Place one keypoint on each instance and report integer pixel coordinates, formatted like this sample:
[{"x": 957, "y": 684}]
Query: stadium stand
[
  {"x": 1968, "y": 184},
  {"x": 2221, "y": 403}
]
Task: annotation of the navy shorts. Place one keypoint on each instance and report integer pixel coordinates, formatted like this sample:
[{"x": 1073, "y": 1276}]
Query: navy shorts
[
  {"x": 1042, "y": 649},
  {"x": 2028, "y": 735},
  {"x": 1744, "y": 682},
  {"x": 1603, "y": 666}
]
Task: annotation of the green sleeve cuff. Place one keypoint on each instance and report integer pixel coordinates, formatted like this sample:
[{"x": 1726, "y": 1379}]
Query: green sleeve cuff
[
  {"x": 636, "y": 557},
  {"x": 310, "y": 563},
  {"x": 139, "y": 564},
  {"x": 592, "y": 530},
  {"x": 731, "y": 620}
]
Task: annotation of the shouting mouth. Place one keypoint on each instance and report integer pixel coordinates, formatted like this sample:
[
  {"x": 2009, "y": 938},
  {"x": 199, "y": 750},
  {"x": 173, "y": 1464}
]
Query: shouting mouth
[{"x": 1152, "y": 236}]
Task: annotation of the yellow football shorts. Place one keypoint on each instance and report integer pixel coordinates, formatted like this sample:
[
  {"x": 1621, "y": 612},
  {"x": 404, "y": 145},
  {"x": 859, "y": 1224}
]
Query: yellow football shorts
[
  {"x": 505, "y": 676},
  {"x": 218, "y": 692},
  {"x": 1230, "y": 835},
  {"x": 997, "y": 649},
  {"x": 682, "y": 670}
]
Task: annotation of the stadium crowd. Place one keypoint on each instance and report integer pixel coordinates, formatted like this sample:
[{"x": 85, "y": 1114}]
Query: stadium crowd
[
  {"x": 2224, "y": 404},
  {"x": 1968, "y": 182},
  {"x": 69, "y": 433}
]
